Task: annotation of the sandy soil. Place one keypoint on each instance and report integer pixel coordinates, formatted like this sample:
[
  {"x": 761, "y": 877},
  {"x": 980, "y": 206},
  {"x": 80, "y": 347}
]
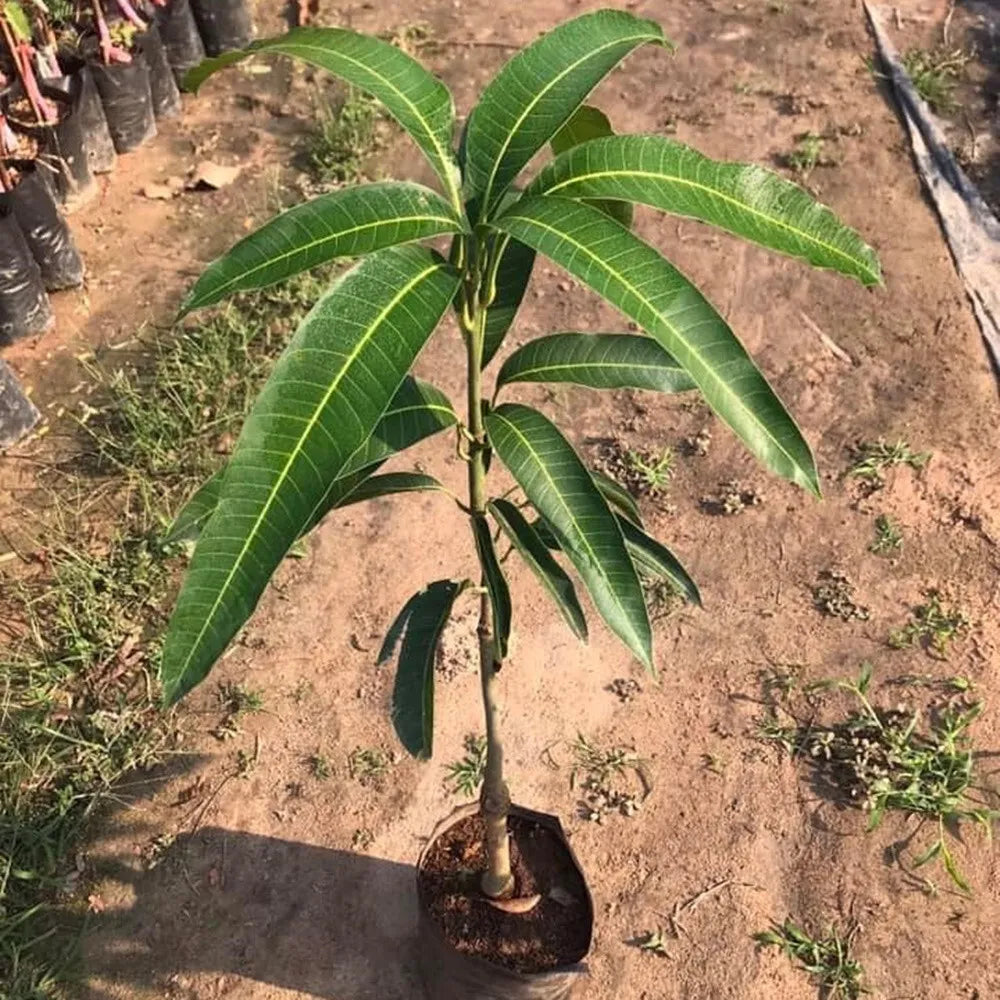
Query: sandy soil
[{"x": 214, "y": 885}]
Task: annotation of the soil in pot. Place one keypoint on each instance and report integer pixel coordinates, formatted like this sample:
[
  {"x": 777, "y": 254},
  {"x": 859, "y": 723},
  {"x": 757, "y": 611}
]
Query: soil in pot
[
  {"x": 24, "y": 304},
  {"x": 180, "y": 36},
  {"x": 554, "y": 934},
  {"x": 44, "y": 230},
  {"x": 128, "y": 101},
  {"x": 224, "y": 24},
  {"x": 162, "y": 86}
]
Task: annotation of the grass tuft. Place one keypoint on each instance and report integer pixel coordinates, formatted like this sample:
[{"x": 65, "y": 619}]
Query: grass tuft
[
  {"x": 932, "y": 626},
  {"x": 466, "y": 775},
  {"x": 827, "y": 959}
]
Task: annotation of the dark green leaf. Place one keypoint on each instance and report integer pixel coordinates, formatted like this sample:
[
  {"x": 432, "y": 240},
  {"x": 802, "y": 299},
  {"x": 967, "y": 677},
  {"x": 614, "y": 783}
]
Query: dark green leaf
[
  {"x": 535, "y": 553},
  {"x": 512, "y": 279},
  {"x": 537, "y": 91},
  {"x": 392, "y": 482},
  {"x": 561, "y": 489},
  {"x": 617, "y": 496},
  {"x": 324, "y": 398},
  {"x": 596, "y": 360},
  {"x": 496, "y": 585},
  {"x": 743, "y": 199},
  {"x": 589, "y": 123},
  {"x": 348, "y": 223},
  {"x": 633, "y": 276},
  {"x": 420, "y": 624},
  {"x": 195, "y": 513},
  {"x": 655, "y": 560},
  {"x": 417, "y": 100}
]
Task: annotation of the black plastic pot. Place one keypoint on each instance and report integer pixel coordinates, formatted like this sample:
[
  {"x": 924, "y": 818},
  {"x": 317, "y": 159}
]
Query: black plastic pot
[
  {"x": 44, "y": 230},
  {"x": 162, "y": 86},
  {"x": 24, "y": 305},
  {"x": 449, "y": 974},
  {"x": 128, "y": 101},
  {"x": 224, "y": 24},
  {"x": 17, "y": 413},
  {"x": 181, "y": 40},
  {"x": 97, "y": 141},
  {"x": 61, "y": 147}
]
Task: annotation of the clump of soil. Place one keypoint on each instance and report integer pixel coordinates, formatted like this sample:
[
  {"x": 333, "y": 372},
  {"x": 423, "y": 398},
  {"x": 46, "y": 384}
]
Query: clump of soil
[
  {"x": 625, "y": 689},
  {"x": 731, "y": 498},
  {"x": 834, "y": 596},
  {"x": 645, "y": 474},
  {"x": 555, "y": 933}
]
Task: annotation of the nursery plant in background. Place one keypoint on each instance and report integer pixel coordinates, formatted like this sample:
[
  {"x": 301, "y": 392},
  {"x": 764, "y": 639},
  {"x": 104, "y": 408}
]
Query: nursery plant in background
[{"x": 341, "y": 401}]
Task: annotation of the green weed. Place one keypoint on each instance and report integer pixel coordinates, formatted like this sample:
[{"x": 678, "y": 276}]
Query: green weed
[
  {"x": 344, "y": 138},
  {"x": 827, "y": 959},
  {"x": 466, "y": 775},
  {"x": 932, "y": 626},
  {"x": 870, "y": 459},
  {"x": 602, "y": 774},
  {"x": 807, "y": 154},
  {"x": 319, "y": 766},
  {"x": 888, "y": 536},
  {"x": 651, "y": 471},
  {"x": 368, "y": 766},
  {"x": 934, "y": 74}
]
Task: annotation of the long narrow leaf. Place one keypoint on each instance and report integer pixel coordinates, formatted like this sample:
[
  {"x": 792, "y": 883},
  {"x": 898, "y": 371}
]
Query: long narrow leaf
[
  {"x": 420, "y": 625},
  {"x": 496, "y": 585},
  {"x": 617, "y": 496},
  {"x": 513, "y": 275},
  {"x": 325, "y": 396},
  {"x": 635, "y": 278},
  {"x": 348, "y": 223},
  {"x": 653, "y": 559},
  {"x": 535, "y": 553},
  {"x": 537, "y": 91},
  {"x": 392, "y": 483},
  {"x": 556, "y": 482},
  {"x": 741, "y": 198},
  {"x": 596, "y": 360},
  {"x": 417, "y": 100}
]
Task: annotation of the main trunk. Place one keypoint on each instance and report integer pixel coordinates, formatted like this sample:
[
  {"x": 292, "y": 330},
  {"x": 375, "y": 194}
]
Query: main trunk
[{"x": 495, "y": 799}]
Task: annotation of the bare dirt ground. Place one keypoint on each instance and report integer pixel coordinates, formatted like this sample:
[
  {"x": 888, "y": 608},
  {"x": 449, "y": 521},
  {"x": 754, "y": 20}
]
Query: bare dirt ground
[{"x": 266, "y": 881}]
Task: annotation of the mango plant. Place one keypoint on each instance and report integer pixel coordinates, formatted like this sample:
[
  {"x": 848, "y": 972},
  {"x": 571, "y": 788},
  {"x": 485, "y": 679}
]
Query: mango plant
[{"x": 341, "y": 400}]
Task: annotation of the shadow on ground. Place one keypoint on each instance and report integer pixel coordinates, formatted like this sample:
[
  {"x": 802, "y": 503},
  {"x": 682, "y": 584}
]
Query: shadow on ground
[{"x": 317, "y": 921}]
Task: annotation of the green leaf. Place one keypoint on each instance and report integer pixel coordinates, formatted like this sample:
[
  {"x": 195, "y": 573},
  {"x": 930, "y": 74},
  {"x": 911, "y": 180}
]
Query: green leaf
[
  {"x": 633, "y": 276},
  {"x": 589, "y": 123},
  {"x": 513, "y": 274},
  {"x": 952, "y": 869},
  {"x": 560, "y": 488},
  {"x": 596, "y": 360},
  {"x": 617, "y": 496},
  {"x": 535, "y": 553},
  {"x": 537, "y": 91},
  {"x": 932, "y": 852},
  {"x": 348, "y": 223},
  {"x": 391, "y": 483},
  {"x": 743, "y": 199},
  {"x": 418, "y": 410},
  {"x": 496, "y": 585},
  {"x": 419, "y": 624},
  {"x": 194, "y": 515},
  {"x": 18, "y": 20},
  {"x": 417, "y": 100},
  {"x": 325, "y": 396},
  {"x": 655, "y": 560}
]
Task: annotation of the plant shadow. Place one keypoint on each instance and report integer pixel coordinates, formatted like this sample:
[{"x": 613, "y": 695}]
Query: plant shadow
[{"x": 307, "y": 919}]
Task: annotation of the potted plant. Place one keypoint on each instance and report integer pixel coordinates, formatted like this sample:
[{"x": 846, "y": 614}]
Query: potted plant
[{"x": 341, "y": 401}]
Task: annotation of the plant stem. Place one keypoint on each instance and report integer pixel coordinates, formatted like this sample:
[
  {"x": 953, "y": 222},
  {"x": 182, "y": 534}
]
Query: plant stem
[{"x": 495, "y": 798}]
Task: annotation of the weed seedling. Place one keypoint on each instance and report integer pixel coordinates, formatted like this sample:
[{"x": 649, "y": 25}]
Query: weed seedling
[
  {"x": 368, "y": 766},
  {"x": 827, "y": 959},
  {"x": 343, "y": 139},
  {"x": 319, "y": 766},
  {"x": 654, "y": 942},
  {"x": 662, "y": 596},
  {"x": 934, "y": 73},
  {"x": 888, "y": 536},
  {"x": 362, "y": 839},
  {"x": 466, "y": 775},
  {"x": 932, "y": 626},
  {"x": 807, "y": 154},
  {"x": 732, "y": 498},
  {"x": 870, "y": 460},
  {"x": 651, "y": 471},
  {"x": 600, "y": 772},
  {"x": 238, "y": 700}
]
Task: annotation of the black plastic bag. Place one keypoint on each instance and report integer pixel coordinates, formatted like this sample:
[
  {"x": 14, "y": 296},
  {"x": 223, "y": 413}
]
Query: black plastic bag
[
  {"x": 224, "y": 24},
  {"x": 24, "y": 304},
  {"x": 17, "y": 413},
  {"x": 449, "y": 974},
  {"x": 44, "y": 230},
  {"x": 97, "y": 142},
  {"x": 180, "y": 36},
  {"x": 128, "y": 101},
  {"x": 162, "y": 86}
]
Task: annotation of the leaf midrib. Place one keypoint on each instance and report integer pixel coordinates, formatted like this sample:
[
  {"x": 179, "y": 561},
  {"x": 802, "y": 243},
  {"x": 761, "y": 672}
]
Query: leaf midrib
[
  {"x": 443, "y": 161},
  {"x": 713, "y": 192},
  {"x": 592, "y": 53},
  {"x": 579, "y": 531},
  {"x": 305, "y": 247},
  {"x": 563, "y": 365},
  {"x": 645, "y": 301},
  {"x": 251, "y": 536}
]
